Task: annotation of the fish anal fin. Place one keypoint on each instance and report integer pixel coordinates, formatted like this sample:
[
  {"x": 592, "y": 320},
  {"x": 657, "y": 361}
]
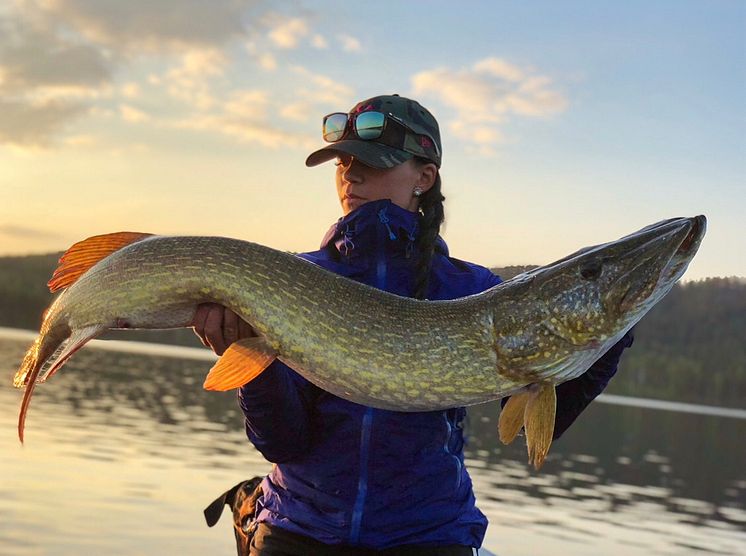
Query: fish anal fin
[
  {"x": 241, "y": 363},
  {"x": 512, "y": 416},
  {"x": 539, "y": 422},
  {"x": 83, "y": 255}
]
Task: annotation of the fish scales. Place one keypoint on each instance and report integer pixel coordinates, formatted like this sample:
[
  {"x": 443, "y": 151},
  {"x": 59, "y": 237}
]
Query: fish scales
[
  {"x": 524, "y": 336},
  {"x": 346, "y": 314}
]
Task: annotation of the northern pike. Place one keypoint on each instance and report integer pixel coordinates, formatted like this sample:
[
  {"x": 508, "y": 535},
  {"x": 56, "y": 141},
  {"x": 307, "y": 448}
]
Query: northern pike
[{"x": 520, "y": 338}]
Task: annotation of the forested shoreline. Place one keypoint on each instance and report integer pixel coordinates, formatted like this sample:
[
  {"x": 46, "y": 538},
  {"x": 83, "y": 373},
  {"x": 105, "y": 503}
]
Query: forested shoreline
[{"x": 691, "y": 347}]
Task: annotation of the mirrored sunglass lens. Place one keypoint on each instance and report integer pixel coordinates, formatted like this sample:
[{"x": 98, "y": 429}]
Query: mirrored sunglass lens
[
  {"x": 334, "y": 127},
  {"x": 369, "y": 125}
]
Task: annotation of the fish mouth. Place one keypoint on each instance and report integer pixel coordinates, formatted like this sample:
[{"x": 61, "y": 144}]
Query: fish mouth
[
  {"x": 685, "y": 251},
  {"x": 694, "y": 237},
  {"x": 674, "y": 244}
]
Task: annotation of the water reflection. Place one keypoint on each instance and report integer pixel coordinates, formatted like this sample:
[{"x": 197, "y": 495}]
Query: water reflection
[{"x": 134, "y": 444}]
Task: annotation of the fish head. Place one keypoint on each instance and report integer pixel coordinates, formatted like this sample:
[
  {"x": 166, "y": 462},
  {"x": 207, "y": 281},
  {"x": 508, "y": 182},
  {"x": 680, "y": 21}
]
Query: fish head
[{"x": 599, "y": 292}]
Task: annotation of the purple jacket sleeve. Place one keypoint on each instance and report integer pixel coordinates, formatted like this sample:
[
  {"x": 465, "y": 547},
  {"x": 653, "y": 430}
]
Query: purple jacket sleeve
[
  {"x": 277, "y": 410},
  {"x": 575, "y": 395}
]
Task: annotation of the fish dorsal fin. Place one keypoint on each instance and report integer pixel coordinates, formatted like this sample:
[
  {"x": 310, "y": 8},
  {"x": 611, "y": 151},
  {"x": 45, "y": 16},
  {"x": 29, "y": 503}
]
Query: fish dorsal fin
[
  {"x": 243, "y": 361},
  {"x": 83, "y": 255}
]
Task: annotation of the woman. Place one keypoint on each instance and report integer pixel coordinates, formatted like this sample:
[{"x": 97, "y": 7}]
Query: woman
[{"x": 351, "y": 479}]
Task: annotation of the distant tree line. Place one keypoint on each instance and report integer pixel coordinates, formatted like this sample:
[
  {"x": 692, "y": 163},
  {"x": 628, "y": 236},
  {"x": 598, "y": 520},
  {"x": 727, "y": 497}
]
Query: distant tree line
[{"x": 690, "y": 347}]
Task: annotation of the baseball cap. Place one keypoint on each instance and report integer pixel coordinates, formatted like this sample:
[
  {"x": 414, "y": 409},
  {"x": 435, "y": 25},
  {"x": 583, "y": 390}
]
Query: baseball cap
[{"x": 420, "y": 135}]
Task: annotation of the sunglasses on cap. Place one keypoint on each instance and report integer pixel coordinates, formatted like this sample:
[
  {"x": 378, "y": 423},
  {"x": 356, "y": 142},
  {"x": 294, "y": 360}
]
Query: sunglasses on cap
[{"x": 380, "y": 127}]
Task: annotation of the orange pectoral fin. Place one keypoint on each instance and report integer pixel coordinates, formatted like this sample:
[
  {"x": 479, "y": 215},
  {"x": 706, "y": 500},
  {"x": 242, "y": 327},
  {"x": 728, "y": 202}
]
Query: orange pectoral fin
[
  {"x": 83, "y": 255},
  {"x": 241, "y": 363}
]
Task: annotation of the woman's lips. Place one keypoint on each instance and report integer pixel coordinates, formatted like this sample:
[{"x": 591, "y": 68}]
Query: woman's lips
[{"x": 353, "y": 200}]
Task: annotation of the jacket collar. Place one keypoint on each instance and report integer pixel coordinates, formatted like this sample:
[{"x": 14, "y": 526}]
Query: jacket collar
[{"x": 375, "y": 226}]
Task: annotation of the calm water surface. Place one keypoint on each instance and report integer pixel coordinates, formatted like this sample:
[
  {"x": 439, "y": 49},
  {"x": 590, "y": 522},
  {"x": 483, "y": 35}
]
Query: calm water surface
[{"x": 124, "y": 450}]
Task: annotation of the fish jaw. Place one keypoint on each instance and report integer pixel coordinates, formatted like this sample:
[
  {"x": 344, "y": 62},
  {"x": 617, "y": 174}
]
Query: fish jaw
[{"x": 672, "y": 252}]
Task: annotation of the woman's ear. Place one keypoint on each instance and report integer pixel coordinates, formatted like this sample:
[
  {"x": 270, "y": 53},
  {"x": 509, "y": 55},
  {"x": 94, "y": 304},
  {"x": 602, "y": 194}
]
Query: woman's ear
[{"x": 428, "y": 173}]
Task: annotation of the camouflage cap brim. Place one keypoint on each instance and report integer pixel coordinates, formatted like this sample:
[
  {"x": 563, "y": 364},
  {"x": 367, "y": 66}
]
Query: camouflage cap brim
[{"x": 368, "y": 152}]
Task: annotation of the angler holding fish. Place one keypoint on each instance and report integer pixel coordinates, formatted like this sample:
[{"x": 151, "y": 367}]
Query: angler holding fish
[
  {"x": 355, "y": 394},
  {"x": 348, "y": 474}
]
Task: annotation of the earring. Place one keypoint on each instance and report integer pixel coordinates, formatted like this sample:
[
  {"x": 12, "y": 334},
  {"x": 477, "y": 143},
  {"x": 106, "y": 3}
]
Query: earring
[{"x": 417, "y": 191}]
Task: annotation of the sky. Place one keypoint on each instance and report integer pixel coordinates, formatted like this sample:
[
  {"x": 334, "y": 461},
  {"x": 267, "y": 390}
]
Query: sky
[{"x": 564, "y": 124}]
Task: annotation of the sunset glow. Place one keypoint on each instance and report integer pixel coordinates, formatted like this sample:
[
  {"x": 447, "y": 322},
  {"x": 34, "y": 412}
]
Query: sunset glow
[{"x": 564, "y": 125}]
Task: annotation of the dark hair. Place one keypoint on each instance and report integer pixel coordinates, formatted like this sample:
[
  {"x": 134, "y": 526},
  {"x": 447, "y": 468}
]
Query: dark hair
[{"x": 431, "y": 216}]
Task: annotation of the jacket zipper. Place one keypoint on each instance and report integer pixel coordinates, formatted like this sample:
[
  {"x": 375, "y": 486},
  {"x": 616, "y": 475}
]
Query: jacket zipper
[
  {"x": 367, "y": 425},
  {"x": 447, "y": 448},
  {"x": 362, "y": 484}
]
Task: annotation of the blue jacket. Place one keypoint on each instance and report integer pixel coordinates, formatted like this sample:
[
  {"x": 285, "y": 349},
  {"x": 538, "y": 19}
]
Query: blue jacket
[{"x": 354, "y": 475}]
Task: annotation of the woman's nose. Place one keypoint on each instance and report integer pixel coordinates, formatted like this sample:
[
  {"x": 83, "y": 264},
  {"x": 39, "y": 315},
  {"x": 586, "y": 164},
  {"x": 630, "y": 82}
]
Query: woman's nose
[{"x": 351, "y": 171}]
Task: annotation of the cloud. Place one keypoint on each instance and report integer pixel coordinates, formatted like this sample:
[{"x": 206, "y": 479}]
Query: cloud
[
  {"x": 322, "y": 90},
  {"x": 264, "y": 58},
  {"x": 245, "y": 116},
  {"x": 130, "y": 90},
  {"x": 33, "y": 57},
  {"x": 289, "y": 32},
  {"x": 318, "y": 41},
  {"x": 26, "y": 124},
  {"x": 80, "y": 140},
  {"x": 247, "y": 131},
  {"x": 189, "y": 81},
  {"x": 47, "y": 79},
  {"x": 60, "y": 60},
  {"x": 487, "y": 94},
  {"x": 497, "y": 67},
  {"x": 132, "y": 114},
  {"x": 267, "y": 61},
  {"x": 298, "y": 111},
  {"x": 59, "y": 57},
  {"x": 349, "y": 43},
  {"x": 146, "y": 25},
  {"x": 249, "y": 104}
]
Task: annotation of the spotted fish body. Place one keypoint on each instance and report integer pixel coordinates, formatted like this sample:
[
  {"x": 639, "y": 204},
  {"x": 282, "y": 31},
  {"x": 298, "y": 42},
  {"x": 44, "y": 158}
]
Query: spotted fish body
[{"x": 539, "y": 329}]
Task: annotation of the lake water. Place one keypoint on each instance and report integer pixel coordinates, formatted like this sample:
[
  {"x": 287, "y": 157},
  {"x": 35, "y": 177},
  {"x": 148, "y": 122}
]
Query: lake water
[{"x": 124, "y": 450}]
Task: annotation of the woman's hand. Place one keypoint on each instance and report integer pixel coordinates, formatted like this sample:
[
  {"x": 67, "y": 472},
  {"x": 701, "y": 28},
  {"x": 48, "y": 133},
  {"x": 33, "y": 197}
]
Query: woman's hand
[{"x": 218, "y": 327}]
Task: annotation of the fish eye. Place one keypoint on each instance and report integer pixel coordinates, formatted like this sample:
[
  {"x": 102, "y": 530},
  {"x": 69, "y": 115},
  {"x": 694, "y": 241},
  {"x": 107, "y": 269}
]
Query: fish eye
[{"x": 591, "y": 270}]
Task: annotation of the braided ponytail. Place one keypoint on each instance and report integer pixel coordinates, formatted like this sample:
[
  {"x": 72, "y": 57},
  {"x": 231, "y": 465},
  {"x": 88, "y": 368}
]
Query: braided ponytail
[{"x": 431, "y": 216}]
